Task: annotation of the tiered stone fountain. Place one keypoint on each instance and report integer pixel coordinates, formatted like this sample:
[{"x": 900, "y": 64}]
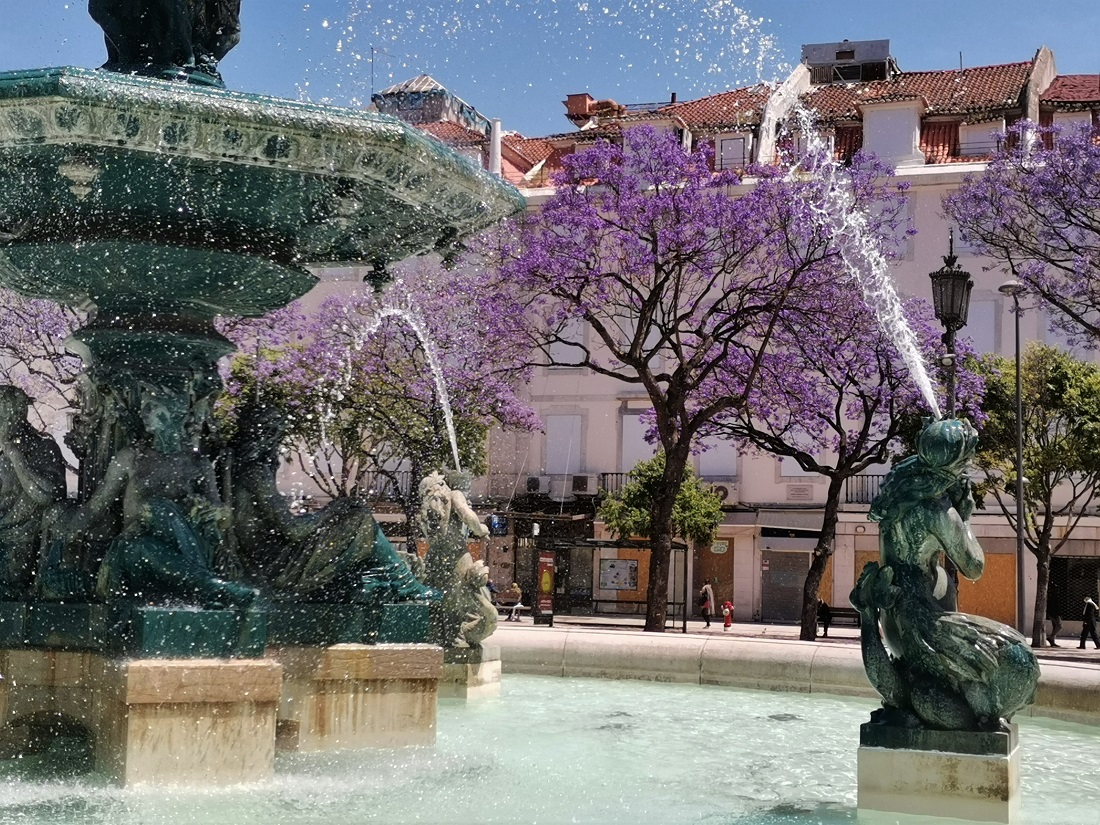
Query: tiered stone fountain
[{"x": 175, "y": 610}]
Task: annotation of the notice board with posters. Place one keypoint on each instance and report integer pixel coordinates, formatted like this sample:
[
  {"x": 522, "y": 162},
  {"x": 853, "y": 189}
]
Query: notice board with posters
[{"x": 618, "y": 574}]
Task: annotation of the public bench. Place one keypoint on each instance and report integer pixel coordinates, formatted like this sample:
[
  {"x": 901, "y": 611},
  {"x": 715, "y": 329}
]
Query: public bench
[
  {"x": 508, "y": 602},
  {"x": 848, "y": 615}
]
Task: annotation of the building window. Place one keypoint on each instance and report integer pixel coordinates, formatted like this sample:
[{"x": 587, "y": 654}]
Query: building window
[
  {"x": 719, "y": 460},
  {"x": 789, "y": 468},
  {"x": 981, "y": 325},
  {"x": 980, "y": 139},
  {"x": 1054, "y": 336},
  {"x": 733, "y": 151},
  {"x": 563, "y": 445},
  {"x": 563, "y": 353},
  {"x": 634, "y": 446}
]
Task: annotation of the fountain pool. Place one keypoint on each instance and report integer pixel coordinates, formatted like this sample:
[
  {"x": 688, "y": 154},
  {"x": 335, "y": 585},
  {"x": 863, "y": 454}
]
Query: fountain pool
[{"x": 554, "y": 750}]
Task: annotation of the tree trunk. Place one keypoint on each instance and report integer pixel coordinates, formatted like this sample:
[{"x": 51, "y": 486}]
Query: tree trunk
[
  {"x": 1042, "y": 584},
  {"x": 822, "y": 551},
  {"x": 657, "y": 592},
  {"x": 661, "y": 539}
]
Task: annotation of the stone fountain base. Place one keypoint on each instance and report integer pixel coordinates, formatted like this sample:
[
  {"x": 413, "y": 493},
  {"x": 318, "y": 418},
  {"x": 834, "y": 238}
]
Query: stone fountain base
[
  {"x": 163, "y": 721},
  {"x": 471, "y": 673},
  {"x": 962, "y": 775},
  {"x": 358, "y": 696},
  {"x": 214, "y": 721}
]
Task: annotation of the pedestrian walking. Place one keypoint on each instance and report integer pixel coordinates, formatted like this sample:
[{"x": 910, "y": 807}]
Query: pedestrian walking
[
  {"x": 1088, "y": 627},
  {"x": 727, "y": 615},
  {"x": 825, "y": 616},
  {"x": 1055, "y": 628},
  {"x": 706, "y": 601}
]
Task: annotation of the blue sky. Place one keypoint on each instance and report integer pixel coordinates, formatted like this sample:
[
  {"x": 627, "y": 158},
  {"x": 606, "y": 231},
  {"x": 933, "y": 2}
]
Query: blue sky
[{"x": 518, "y": 59}]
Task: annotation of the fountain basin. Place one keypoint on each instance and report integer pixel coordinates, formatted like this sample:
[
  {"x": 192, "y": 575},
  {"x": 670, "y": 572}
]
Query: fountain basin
[
  {"x": 153, "y": 195},
  {"x": 577, "y": 750}
]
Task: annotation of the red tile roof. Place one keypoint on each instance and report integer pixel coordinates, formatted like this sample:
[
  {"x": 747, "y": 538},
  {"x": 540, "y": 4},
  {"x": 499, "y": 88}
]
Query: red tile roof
[
  {"x": 1072, "y": 90},
  {"x": 939, "y": 141},
  {"x": 965, "y": 92},
  {"x": 453, "y": 134},
  {"x": 530, "y": 149},
  {"x": 737, "y": 107},
  {"x": 847, "y": 140}
]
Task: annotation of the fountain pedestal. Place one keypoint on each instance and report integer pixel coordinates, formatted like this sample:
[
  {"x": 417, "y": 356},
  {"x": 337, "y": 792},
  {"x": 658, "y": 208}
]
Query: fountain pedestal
[
  {"x": 188, "y": 721},
  {"x": 957, "y": 774},
  {"x": 356, "y": 696},
  {"x": 165, "y": 721},
  {"x": 471, "y": 673}
]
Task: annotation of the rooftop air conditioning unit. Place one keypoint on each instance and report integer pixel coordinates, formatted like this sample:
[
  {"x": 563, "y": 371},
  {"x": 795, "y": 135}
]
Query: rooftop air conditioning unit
[
  {"x": 584, "y": 485},
  {"x": 538, "y": 484}
]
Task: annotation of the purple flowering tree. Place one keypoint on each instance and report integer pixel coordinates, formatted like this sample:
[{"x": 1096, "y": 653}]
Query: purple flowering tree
[
  {"x": 679, "y": 275},
  {"x": 1036, "y": 211},
  {"x": 32, "y": 351},
  {"x": 838, "y": 401},
  {"x": 361, "y": 392}
]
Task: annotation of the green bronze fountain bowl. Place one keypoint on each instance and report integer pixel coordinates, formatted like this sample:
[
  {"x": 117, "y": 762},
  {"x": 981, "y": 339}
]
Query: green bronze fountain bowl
[{"x": 136, "y": 195}]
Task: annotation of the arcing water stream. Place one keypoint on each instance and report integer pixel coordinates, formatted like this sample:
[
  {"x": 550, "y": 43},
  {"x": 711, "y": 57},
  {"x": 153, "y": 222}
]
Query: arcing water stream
[{"x": 862, "y": 253}]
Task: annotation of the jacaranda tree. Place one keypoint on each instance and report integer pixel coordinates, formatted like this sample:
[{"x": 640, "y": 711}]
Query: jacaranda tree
[
  {"x": 32, "y": 351},
  {"x": 837, "y": 401},
  {"x": 678, "y": 274},
  {"x": 1036, "y": 211},
  {"x": 361, "y": 379}
]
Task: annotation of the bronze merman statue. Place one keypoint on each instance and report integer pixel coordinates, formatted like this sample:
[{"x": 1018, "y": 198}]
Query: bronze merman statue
[
  {"x": 173, "y": 519},
  {"x": 467, "y": 616},
  {"x": 935, "y": 667},
  {"x": 32, "y": 478},
  {"x": 337, "y": 555},
  {"x": 173, "y": 39}
]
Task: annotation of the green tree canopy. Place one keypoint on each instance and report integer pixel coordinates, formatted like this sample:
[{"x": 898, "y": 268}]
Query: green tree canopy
[
  {"x": 1061, "y": 450},
  {"x": 696, "y": 513}
]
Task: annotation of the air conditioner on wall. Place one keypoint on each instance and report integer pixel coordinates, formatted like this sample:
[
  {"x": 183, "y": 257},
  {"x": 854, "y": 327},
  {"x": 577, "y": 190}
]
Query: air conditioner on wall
[
  {"x": 584, "y": 485},
  {"x": 725, "y": 490},
  {"x": 538, "y": 484}
]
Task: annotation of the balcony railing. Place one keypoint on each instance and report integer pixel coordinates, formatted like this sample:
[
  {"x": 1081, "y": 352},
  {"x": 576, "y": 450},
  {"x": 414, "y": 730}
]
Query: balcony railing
[{"x": 862, "y": 489}]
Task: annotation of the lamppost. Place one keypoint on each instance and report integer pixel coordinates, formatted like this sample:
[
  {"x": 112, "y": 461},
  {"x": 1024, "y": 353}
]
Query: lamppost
[
  {"x": 951, "y": 287},
  {"x": 1013, "y": 289}
]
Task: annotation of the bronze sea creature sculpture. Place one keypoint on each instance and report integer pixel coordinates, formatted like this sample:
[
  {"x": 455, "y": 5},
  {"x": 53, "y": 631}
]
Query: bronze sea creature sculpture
[{"x": 935, "y": 667}]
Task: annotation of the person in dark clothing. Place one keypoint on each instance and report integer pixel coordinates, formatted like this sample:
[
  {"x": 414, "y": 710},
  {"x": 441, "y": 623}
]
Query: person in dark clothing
[
  {"x": 1088, "y": 627},
  {"x": 825, "y": 616},
  {"x": 706, "y": 601},
  {"x": 1055, "y": 617}
]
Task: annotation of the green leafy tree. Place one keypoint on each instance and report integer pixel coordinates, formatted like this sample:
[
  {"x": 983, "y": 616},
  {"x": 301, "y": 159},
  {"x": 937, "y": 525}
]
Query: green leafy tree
[
  {"x": 1061, "y": 455},
  {"x": 696, "y": 512}
]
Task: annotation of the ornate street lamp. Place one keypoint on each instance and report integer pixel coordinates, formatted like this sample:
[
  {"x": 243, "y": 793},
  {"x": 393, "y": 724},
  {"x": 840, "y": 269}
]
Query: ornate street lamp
[
  {"x": 1013, "y": 289},
  {"x": 951, "y": 287}
]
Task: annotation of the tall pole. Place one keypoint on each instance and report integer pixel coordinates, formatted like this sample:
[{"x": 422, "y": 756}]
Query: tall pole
[
  {"x": 1013, "y": 289},
  {"x": 1019, "y": 472},
  {"x": 687, "y": 588},
  {"x": 949, "y": 343}
]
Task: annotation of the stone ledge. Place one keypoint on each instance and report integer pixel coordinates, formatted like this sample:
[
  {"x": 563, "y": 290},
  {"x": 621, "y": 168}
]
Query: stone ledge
[
  {"x": 1069, "y": 692},
  {"x": 385, "y": 661},
  {"x": 975, "y": 743},
  {"x": 930, "y": 783},
  {"x": 182, "y": 681}
]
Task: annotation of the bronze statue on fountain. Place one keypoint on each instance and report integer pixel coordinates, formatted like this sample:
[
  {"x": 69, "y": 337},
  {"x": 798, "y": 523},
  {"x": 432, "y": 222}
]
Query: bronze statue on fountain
[
  {"x": 157, "y": 210},
  {"x": 936, "y": 668},
  {"x": 171, "y": 39}
]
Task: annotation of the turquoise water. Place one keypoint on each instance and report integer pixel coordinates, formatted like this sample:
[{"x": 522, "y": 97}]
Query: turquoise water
[{"x": 553, "y": 750}]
